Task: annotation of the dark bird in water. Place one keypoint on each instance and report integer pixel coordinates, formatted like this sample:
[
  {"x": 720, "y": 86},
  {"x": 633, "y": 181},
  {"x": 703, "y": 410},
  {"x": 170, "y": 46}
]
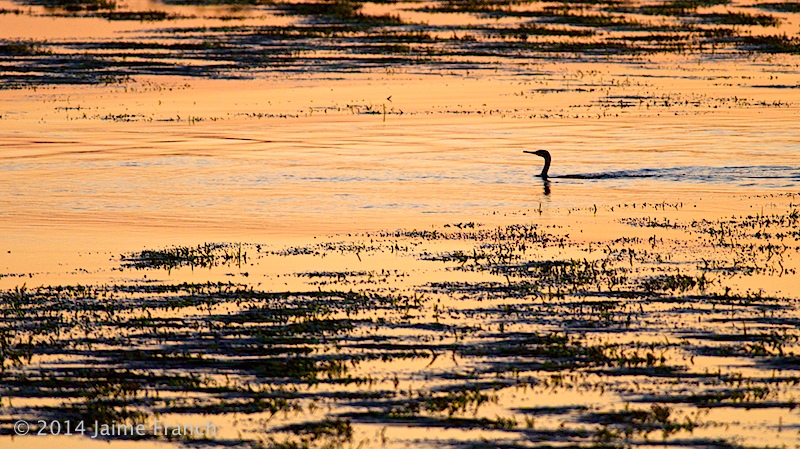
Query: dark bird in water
[{"x": 546, "y": 155}]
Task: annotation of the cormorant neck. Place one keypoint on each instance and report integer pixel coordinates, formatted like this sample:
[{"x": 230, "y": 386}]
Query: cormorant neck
[{"x": 546, "y": 165}]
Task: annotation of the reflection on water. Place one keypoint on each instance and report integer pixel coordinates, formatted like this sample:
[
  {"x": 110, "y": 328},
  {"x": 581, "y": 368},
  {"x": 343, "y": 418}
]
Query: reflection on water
[{"x": 405, "y": 167}]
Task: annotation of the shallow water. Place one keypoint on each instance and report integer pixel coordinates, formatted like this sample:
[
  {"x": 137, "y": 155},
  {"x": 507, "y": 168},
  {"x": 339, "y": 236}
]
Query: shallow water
[
  {"x": 79, "y": 196},
  {"x": 336, "y": 181},
  {"x": 279, "y": 172}
]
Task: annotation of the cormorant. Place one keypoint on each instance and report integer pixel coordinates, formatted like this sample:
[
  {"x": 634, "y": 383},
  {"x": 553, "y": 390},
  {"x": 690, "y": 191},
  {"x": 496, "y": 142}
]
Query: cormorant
[{"x": 546, "y": 155}]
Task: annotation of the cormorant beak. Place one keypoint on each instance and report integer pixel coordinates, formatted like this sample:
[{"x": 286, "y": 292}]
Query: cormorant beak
[{"x": 533, "y": 152}]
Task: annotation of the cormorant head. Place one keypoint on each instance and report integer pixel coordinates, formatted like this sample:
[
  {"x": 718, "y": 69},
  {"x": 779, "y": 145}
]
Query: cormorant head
[
  {"x": 541, "y": 153},
  {"x": 546, "y": 155}
]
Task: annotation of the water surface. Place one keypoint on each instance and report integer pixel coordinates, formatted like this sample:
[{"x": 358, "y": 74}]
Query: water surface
[{"x": 374, "y": 261}]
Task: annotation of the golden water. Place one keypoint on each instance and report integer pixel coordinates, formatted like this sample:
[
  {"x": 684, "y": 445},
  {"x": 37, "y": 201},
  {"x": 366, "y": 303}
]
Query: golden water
[{"x": 88, "y": 173}]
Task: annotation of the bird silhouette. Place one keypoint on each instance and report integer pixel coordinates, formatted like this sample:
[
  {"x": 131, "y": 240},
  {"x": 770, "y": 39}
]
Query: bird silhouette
[{"x": 546, "y": 155}]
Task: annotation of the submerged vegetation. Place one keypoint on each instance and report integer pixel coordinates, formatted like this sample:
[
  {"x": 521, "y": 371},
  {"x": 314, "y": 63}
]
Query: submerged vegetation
[
  {"x": 204, "y": 256},
  {"x": 651, "y": 331},
  {"x": 353, "y": 35}
]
